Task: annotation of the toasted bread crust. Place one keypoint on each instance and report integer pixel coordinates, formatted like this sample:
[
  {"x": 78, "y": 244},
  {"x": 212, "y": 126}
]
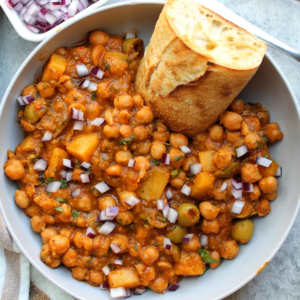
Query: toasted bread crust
[{"x": 186, "y": 87}]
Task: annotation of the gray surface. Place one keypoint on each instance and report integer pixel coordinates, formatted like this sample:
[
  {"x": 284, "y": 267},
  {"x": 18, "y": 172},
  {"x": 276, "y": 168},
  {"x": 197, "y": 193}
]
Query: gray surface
[{"x": 281, "y": 278}]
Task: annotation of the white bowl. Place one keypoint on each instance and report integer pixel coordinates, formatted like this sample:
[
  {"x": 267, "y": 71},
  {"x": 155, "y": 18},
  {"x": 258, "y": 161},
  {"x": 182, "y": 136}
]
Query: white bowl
[
  {"x": 269, "y": 87},
  {"x": 29, "y": 35}
]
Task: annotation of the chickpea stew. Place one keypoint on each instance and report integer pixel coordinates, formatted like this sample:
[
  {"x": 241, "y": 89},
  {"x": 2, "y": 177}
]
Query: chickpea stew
[{"x": 118, "y": 198}]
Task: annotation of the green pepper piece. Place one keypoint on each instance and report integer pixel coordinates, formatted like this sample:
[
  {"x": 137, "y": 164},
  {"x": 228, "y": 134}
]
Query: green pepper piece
[
  {"x": 134, "y": 45},
  {"x": 229, "y": 171}
]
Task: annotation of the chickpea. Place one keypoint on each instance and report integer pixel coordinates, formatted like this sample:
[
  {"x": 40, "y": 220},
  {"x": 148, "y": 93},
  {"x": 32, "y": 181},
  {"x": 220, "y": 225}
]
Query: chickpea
[
  {"x": 97, "y": 55},
  {"x": 149, "y": 255},
  {"x": 70, "y": 258},
  {"x": 143, "y": 148},
  {"x": 47, "y": 234},
  {"x": 99, "y": 37},
  {"x": 124, "y": 196},
  {"x": 178, "y": 181},
  {"x": 122, "y": 241},
  {"x": 237, "y": 106},
  {"x": 87, "y": 243},
  {"x": 250, "y": 173},
  {"x": 95, "y": 277},
  {"x": 216, "y": 133},
  {"x": 252, "y": 122},
  {"x": 232, "y": 136},
  {"x": 189, "y": 161},
  {"x": 37, "y": 224},
  {"x": 45, "y": 89},
  {"x": 268, "y": 184},
  {"x": 140, "y": 133},
  {"x": 141, "y": 163},
  {"x": 14, "y": 169},
  {"x": 111, "y": 131},
  {"x": 208, "y": 210},
  {"x": 256, "y": 192},
  {"x": 210, "y": 226},
  {"x": 231, "y": 120},
  {"x": 159, "y": 285},
  {"x": 138, "y": 101},
  {"x": 157, "y": 149},
  {"x": 161, "y": 136},
  {"x": 273, "y": 132},
  {"x": 101, "y": 245},
  {"x": 115, "y": 170},
  {"x": 108, "y": 116},
  {"x": 222, "y": 158},
  {"x": 229, "y": 249},
  {"x": 270, "y": 196},
  {"x": 263, "y": 117},
  {"x": 32, "y": 210},
  {"x": 68, "y": 84},
  {"x": 177, "y": 140},
  {"x": 193, "y": 245},
  {"x": 123, "y": 102},
  {"x": 253, "y": 141},
  {"x": 80, "y": 273},
  {"x": 125, "y": 218},
  {"x": 124, "y": 117},
  {"x": 78, "y": 239},
  {"x": 145, "y": 115},
  {"x": 29, "y": 90},
  {"x": 263, "y": 207},
  {"x": 126, "y": 131},
  {"x": 106, "y": 201},
  {"x": 215, "y": 255},
  {"x": 177, "y": 158},
  {"x": 59, "y": 244},
  {"x": 67, "y": 232},
  {"x": 22, "y": 199},
  {"x": 122, "y": 157}
]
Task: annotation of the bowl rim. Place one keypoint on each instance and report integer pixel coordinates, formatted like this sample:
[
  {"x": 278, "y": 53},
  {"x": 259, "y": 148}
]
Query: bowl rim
[{"x": 48, "y": 38}]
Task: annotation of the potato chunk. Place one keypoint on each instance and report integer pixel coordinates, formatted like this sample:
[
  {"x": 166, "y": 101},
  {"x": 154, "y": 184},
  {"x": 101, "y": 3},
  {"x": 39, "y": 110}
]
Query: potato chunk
[
  {"x": 83, "y": 146},
  {"x": 153, "y": 187},
  {"x": 126, "y": 277},
  {"x": 202, "y": 184},
  {"x": 206, "y": 159},
  {"x": 189, "y": 264},
  {"x": 55, "y": 68},
  {"x": 56, "y": 163}
]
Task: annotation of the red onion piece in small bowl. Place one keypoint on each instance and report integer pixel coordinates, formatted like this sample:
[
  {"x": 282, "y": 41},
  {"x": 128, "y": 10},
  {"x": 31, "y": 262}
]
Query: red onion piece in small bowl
[
  {"x": 82, "y": 70},
  {"x": 172, "y": 215},
  {"x": 223, "y": 187},
  {"x": 53, "y": 187},
  {"x": 40, "y": 165},
  {"x": 167, "y": 244},
  {"x": 131, "y": 163},
  {"x": 173, "y": 287},
  {"x": 102, "y": 187},
  {"x": 241, "y": 151},
  {"x": 90, "y": 232},
  {"x": 107, "y": 228},
  {"x": 68, "y": 163},
  {"x": 187, "y": 238},
  {"x": 160, "y": 204},
  {"x": 237, "y": 207},
  {"x": 203, "y": 240},
  {"x": 195, "y": 168},
  {"x": 47, "y": 136},
  {"x": 132, "y": 201},
  {"x": 186, "y": 190},
  {"x": 98, "y": 122},
  {"x": 263, "y": 161},
  {"x": 166, "y": 159},
  {"x": 115, "y": 248}
]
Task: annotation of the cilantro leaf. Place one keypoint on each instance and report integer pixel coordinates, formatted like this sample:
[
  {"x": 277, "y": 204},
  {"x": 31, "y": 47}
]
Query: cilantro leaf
[
  {"x": 94, "y": 96},
  {"x": 136, "y": 247},
  {"x": 155, "y": 162},
  {"x": 97, "y": 224},
  {"x": 50, "y": 179},
  {"x": 126, "y": 140},
  {"x": 191, "y": 177},
  {"x": 64, "y": 183},
  {"x": 59, "y": 209},
  {"x": 174, "y": 173},
  {"x": 206, "y": 257},
  {"x": 75, "y": 214},
  {"x": 161, "y": 219},
  {"x": 178, "y": 158},
  {"x": 90, "y": 261},
  {"x": 37, "y": 95},
  {"x": 61, "y": 200},
  {"x": 128, "y": 60}
]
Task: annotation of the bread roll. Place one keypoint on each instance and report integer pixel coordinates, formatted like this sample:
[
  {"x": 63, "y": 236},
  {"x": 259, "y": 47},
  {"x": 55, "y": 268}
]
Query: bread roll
[{"x": 195, "y": 65}]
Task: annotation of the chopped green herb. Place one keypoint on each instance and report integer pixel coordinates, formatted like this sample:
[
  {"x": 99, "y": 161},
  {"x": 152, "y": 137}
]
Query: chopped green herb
[
  {"x": 128, "y": 60},
  {"x": 94, "y": 96},
  {"x": 111, "y": 266},
  {"x": 90, "y": 261},
  {"x": 42, "y": 257},
  {"x": 61, "y": 200},
  {"x": 75, "y": 213},
  {"x": 77, "y": 165},
  {"x": 37, "y": 95},
  {"x": 107, "y": 67},
  {"x": 23, "y": 108},
  {"x": 59, "y": 209},
  {"x": 198, "y": 225},
  {"x": 126, "y": 141},
  {"x": 50, "y": 179},
  {"x": 258, "y": 144},
  {"x": 206, "y": 257},
  {"x": 89, "y": 171},
  {"x": 268, "y": 157},
  {"x": 36, "y": 158},
  {"x": 136, "y": 247},
  {"x": 97, "y": 224},
  {"x": 168, "y": 146},
  {"x": 64, "y": 183},
  {"x": 174, "y": 173},
  {"x": 178, "y": 158},
  {"x": 146, "y": 221},
  {"x": 155, "y": 162},
  {"x": 75, "y": 98},
  {"x": 191, "y": 177},
  {"x": 138, "y": 261},
  {"x": 161, "y": 218}
]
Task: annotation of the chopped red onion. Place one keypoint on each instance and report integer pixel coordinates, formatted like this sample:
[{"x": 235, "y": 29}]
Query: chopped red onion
[
  {"x": 18, "y": 7},
  {"x": 98, "y": 122},
  {"x": 47, "y": 136},
  {"x": 50, "y": 18},
  {"x": 75, "y": 193},
  {"x": 29, "y": 19},
  {"x": 237, "y": 207},
  {"x": 68, "y": 163},
  {"x": 131, "y": 163},
  {"x": 173, "y": 287},
  {"x": 130, "y": 35},
  {"x": 84, "y": 84},
  {"x": 90, "y": 232},
  {"x": 172, "y": 215},
  {"x": 81, "y": 69},
  {"x": 138, "y": 291},
  {"x": 40, "y": 165},
  {"x": 169, "y": 194},
  {"x": 85, "y": 3},
  {"x": 72, "y": 11},
  {"x": 33, "y": 10},
  {"x": 33, "y": 29},
  {"x": 203, "y": 240},
  {"x": 185, "y": 149},
  {"x": 223, "y": 187},
  {"x": 106, "y": 270},
  {"x": 160, "y": 204},
  {"x": 111, "y": 211},
  {"x": 85, "y": 166},
  {"x": 22, "y": 12},
  {"x": 248, "y": 187},
  {"x": 237, "y": 194},
  {"x": 167, "y": 244},
  {"x": 97, "y": 73},
  {"x": 166, "y": 210},
  {"x": 107, "y": 228},
  {"x": 63, "y": 9},
  {"x": 85, "y": 177},
  {"x": 278, "y": 172},
  {"x": 241, "y": 151},
  {"x": 195, "y": 168},
  {"x": 102, "y": 187},
  {"x": 69, "y": 175},
  {"x": 118, "y": 262},
  {"x": 103, "y": 217},
  {"x": 57, "y": 14},
  {"x": 132, "y": 201},
  {"x": 186, "y": 190},
  {"x": 187, "y": 238},
  {"x": 54, "y": 5},
  {"x": 104, "y": 286},
  {"x": 166, "y": 159},
  {"x": 92, "y": 87},
  {"x": 77, "y": 114},
  {"x": 53, "y": 187},
  {"x": 25, "y": 100},
  {"x": 63, "y": 174},
  {"x": 237, "y": 183},
  {"x": 115, "y": 248},
  {"x": 263, "y": 161},
  {"x": 78, "y": 125},
  {"x": 9, "y": 4},
  {"x": 119, "y": 292}
]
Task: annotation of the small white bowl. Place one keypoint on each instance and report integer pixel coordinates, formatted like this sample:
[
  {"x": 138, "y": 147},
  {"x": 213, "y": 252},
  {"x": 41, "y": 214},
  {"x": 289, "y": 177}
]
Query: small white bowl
[
  {"x": 29, "y": 35},
  {"x": 269, "y": 86}
]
